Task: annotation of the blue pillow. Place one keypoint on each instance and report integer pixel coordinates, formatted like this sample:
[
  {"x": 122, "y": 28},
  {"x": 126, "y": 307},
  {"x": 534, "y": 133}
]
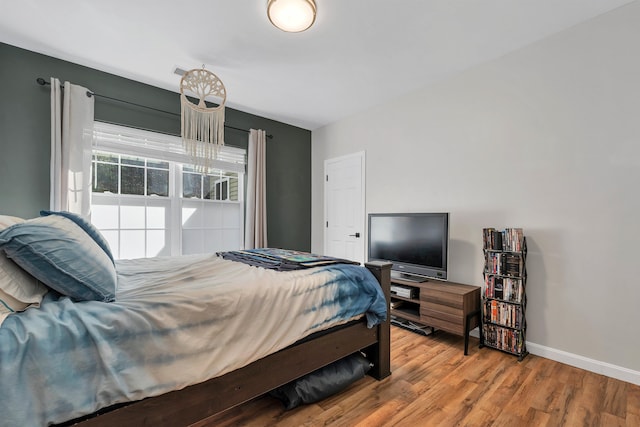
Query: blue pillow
[
  {"x": 91, "y": 230},
  {"x": 59, "y": 253}
]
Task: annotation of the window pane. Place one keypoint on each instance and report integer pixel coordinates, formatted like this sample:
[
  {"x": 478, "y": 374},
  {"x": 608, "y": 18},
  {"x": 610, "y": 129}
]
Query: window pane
[
  {"x": 106, "y": 157},
  {"x": 157, "y": 164},
  {"x": 157, "y": 243},
  {"x": 192, "y": 242},
  {"x": 213, "y": 241},
  {"x": 233, "y": 187},
  {"x": 103, "y": 215},
  {"x": 232, "y": 216},
  {"x": 192, "y": 214},
  {"x": 191, "y": 185},
  {"x": 158, "y": 182},
  {"x": 136, "y": 161},
  {"x": 157, "y": 216},
  {"x": 133, "y": 216},
  {"x": 209, "y": 187},
  {"x": 105, "y": 178},
  {"x": 221, "y": 190},
  {"x": 132, "y": 243},
  {"x": 212, "y": 215},
  {"x": 132, "y": 180}
]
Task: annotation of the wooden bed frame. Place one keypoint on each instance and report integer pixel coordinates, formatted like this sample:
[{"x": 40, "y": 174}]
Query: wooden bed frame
[{"x": 200, "y": 401}]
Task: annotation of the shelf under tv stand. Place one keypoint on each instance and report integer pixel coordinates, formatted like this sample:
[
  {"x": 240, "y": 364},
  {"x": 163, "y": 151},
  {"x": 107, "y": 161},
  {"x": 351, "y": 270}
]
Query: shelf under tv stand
[{"x": 447, "y": 306}]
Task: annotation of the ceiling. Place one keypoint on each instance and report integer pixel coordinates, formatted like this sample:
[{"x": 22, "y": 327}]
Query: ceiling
[{"x": 358, "y": 54}]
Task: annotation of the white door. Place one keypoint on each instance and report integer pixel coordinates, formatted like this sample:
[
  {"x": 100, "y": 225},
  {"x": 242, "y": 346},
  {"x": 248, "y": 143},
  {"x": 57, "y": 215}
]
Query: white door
[{"x": 344, "y": 233}]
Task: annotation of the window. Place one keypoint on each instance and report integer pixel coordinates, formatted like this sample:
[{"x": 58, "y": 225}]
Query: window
[
  {"x": 121, "y": 174},
  {"x": 149, "y": 200}
]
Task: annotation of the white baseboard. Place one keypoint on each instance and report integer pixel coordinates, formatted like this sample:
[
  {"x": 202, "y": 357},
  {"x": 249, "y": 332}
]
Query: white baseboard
[{"x": 591, "y": 365}]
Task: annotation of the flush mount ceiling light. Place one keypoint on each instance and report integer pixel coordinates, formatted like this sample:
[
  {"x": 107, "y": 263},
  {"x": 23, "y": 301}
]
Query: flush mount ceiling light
[{"x": 292, "y": 16}]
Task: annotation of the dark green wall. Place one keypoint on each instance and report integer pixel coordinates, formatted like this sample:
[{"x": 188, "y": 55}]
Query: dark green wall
[{"x": 25, "y": 139}]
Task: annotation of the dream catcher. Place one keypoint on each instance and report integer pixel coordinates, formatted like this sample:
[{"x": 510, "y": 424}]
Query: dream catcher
[{"x": 202, "y": 125}]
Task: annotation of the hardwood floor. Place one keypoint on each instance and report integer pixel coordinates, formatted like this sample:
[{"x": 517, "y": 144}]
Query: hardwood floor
[{"x": 434, "y": 384}]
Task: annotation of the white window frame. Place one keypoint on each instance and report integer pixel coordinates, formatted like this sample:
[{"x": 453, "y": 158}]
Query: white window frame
[{"x": 128, "y": 141}]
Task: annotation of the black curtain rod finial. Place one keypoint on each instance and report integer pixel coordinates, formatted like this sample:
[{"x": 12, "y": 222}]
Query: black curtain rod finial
[{"x": 43, "y": 82}]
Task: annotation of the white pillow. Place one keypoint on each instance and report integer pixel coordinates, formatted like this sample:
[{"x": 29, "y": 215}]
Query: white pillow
[
  {"x": 18, "y": 289},
  {"x": 8, "y": 221}
]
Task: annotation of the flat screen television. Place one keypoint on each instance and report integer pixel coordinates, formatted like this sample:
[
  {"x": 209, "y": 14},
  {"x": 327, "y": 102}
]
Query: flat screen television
[{"x": 416, "y": 243}]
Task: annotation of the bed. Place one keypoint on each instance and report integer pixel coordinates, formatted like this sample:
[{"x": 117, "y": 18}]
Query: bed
[{"x": 173, "y": 340}]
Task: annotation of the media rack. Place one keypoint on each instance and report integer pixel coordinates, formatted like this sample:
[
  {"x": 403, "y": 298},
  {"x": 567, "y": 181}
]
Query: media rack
[{"x": 504, "y": 299}]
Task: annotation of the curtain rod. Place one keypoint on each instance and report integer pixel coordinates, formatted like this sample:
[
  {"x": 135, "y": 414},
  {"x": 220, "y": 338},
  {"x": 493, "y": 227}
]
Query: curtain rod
[{"x": 43, "y": 82}]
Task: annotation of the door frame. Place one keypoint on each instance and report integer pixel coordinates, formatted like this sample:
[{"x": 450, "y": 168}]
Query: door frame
[{"x": 363, "y": 191}]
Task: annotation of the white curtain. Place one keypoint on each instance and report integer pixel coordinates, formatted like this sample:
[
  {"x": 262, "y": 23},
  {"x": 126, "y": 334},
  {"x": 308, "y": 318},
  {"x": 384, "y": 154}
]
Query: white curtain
[
  {"x": 71, "y": 136},
  {"x": 255, "y": 235}
]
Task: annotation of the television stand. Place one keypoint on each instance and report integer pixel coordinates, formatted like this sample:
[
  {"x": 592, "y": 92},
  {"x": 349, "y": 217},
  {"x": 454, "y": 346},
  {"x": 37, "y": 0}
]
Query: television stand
[
  {"x": 408, "y": 277},
  {"x": 446, "y": 306}
]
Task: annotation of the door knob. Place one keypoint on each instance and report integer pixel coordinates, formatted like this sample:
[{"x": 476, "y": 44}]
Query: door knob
[{"x": 354, "y": 235}]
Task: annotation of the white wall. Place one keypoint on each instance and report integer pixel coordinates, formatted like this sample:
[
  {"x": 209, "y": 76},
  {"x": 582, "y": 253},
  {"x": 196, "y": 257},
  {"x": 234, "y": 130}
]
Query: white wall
[{"x": 547, "y": 139}]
